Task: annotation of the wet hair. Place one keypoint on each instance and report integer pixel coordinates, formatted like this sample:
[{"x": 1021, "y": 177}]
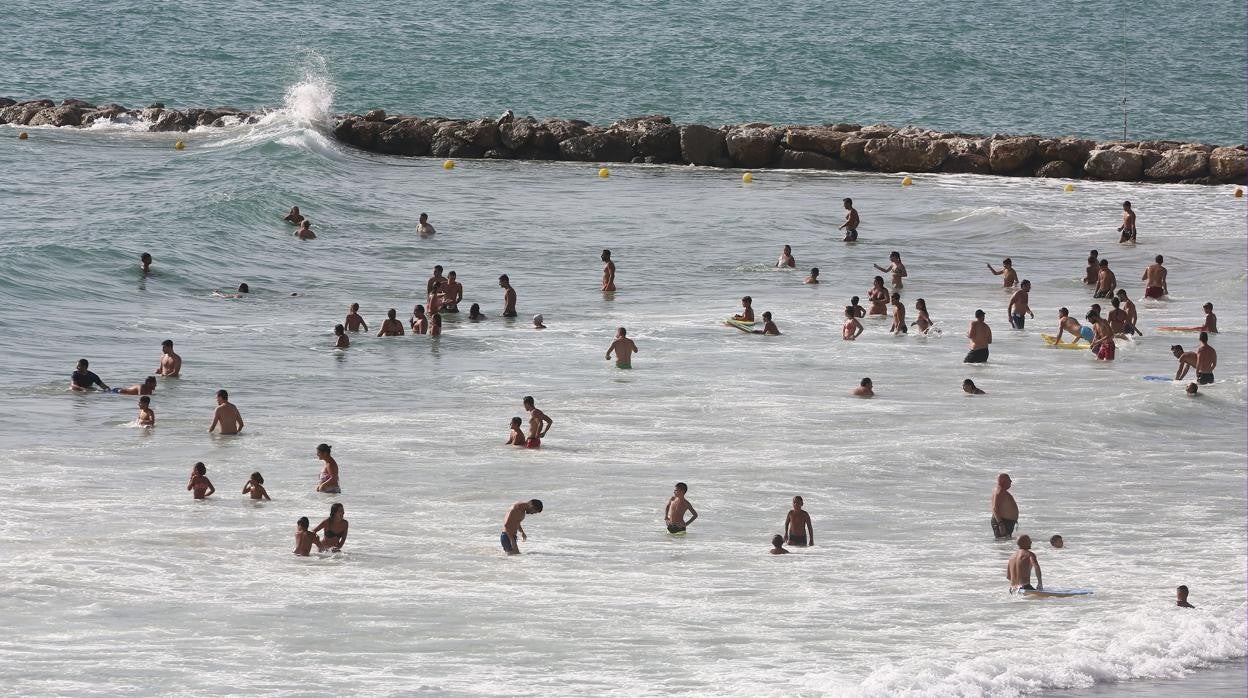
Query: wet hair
[
  {"x": 1182, "y": 589},
  {"x": 767, "y": 315},
  {"x": 746, "y": 299},
  {"x": 682, "y": 487},
  {"x": 437, "y": 268},
  {"x": 418, "y": 310},
  {"x": 1176, "y": 347},
  {"x": 1026, "y": 282},
  {"x": 1204, "y": 337},
  {"x": 516, "y": 421},
  {"x": 244, "y": 288},
  {"x": 1207, "y": 305},
  {"x": 451, "y": 273},
  {"x": 339, "y": 329},
  {"x": 1126, "y": 204},
  {"x": 1121, "y": 293},
  {"x": 622, "y": 331},
  {"x": 814, "y": 271},
  {"x": 436, "y": 318},
  {"x": 1055, "y": 540},
  {"x": 1157, "y": 259},
  {"x": 305, "y": 223},
  {"x": 83, "y": 363},
  {"x": 1007, "y": 261},
  {"x": 864, "y": 382},
  {"x": 145, "y": 400},
  {"x": 1104, "y": 262},
  {"x": 920, "y": 303},
  {"x": 391, "y": 313},
  {"x": 257, "y": 478},
  {"x": 853, "y": 301},
  {"x": 149, "y": 379},
  {"x": 424, "y": 216},
  {"x": 1192, "y": 389},
  {"x": 879, "y": 280},
  {"x": 847, "y": 201},
  {"x": 1093, "y": 253},
  {"x": 167, "y": 343},
  {"x": 777, "y": 541},
  {"x": 528, "y": 400},
  {"x": 1115, "y": 302},
  {"x": 323, "y": 448},
  {"x": 223, "y": 394},
  {"x": 503, "y": 277},
  {"x": 797, "y": 499},
  {"x": 475, "y": 309},
  {"x": 788, "y": 248},
  {"x": 979, "y": 314},
  {"x": 894, "y": 253},
  {"x": 145, "y": 257},
  {"x": 1063, "y": 311},
  {"x": 355, "y": 307},
  {"x": 200, "y": 468},
  {"x": 896, "y": 297},
  {"x": 606, "y": 254},
  {"x": 968, "y": 383},
  {"x": 849, "y": 311},
  {"x": 302, "y": 523},
  {"x": 336, "y": 507},
  {"x": 536, "y": 504}
]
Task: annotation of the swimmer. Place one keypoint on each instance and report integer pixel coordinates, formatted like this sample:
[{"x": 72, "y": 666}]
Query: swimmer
[
  {"x": 343, "y": 340},
  {"x": 1102, "y": 338},
  {"x": 452, "y": 293},
  {"x": 391, "y": 327},
  {"x": 294, "y": 217},
  {"x": 1154, "y": 278},
  {"x": 147, "y": 388},
  {"x": 516, "y": 436},
  {"x": 419, "y": 322},
  {"x": 1192, "y": 389},
  {"x": 1018, "y": 306},
  {"x": 328, "y": 481},
  {"x": 786, "y": 258},
  {"x": 864, "y": 389},
  {"x": 1211, "y": 320},
  {"x": 170, "y": 363},
  {"x": 539, "y": 423},
  {"x": 1004, "y": 508},
  {"x": 537, "y": 322},
  {"x": 1117, "y": 317},
  {"x": 509, "y": 296},
  {"x": 623, "y": 348},
  {"x": 335, "y": 535},
  {"x": 1007, "y": 271},
  {"x": 1206, "y": 360},
  {"x": 354, "y": 321},
  {"x": 1018, "y": 569},
  {"x": 1128, "y": 224},
  {"x": 677, "y": 507},
  {"x": 969, "y": 387},
  {"x": 769, "y": 327},
  {"x": 82, "y": 379},
  {"x": 434, "y": 280},
  {"x": 423, "y": 228},
  {"x": 1057, "y": 542},
  {"x": 1130, "y": 327},
  {"x": 305, "y": 539},
  {"x": 436, "y": 296},
  {"x": 244, "y": 288},
  {"x": 226, "y": 415},
  {"x": 852, "y": 328},
  {"x": 878, "y": 297},
  {"x": 859, "y": 311},
  {"x": 608, "y": 272},
  {"x": 475, "y": 314},
  {"x": 1091, "y": 271},
  {"x": 814, "y": 276},
  {"x": 798, "y": 529},
  {"x": 255, "y": 487},
  {"x": 435, "y": 325},
  {"x": 980, "y": 336},
  {"x": 512, "y": 524},
  {"x": 895, "y": 267},
  {"x": 147, "y": 418},
  {"x": 1105, "y": 281},
  {"x": 850, "y": 226},
  {"x": 200, "y": 486},
  {"x": 145, "y": 262},
  {"x": 305, "y": 230},
  {"x": 924, "y": 321},
  {"x": 777, "y": 546},
  {"x": 1181, "y": 596},
  {"x": 899, "y": 316},
  {"x": 747, "y": 312}
]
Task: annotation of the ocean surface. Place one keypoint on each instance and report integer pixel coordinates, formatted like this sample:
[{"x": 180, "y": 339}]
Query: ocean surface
[{"x": 114, "y": 581}]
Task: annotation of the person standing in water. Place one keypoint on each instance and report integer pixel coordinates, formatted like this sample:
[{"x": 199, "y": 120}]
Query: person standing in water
[
  {"x": 515, "y": 437},
  {"x": 423, "y": 227},
  {"x": 84, "y": 379},
  {"x": 170, "y": 363},
  {"x": 328, "y": 482},
  {"x": 305, "y": 230},
  {"x": 623, "y": 348},
  {"x": 677, "y": 507},
  {"x": 452, "y": 293},
  {"x": 539, "y": 423},
  {"x": 226, "y": 415},
  {"x": 878, "y": 297},
  {"x": 1187, "y": 360},
  {"x": 1102, "y": 337},
  {"x": 608, "y": 272},
  {"x": 1211, "y": 320},
  {"x": 147, "y": 417},
  {"x": 813, "y": 278},
  {"x": 434, "y": 280},
  {"x": 1128, "y": 224},
  {"x": 509, "y": 296},
  {"x": 786, "y": 260},
  {"x": 1154, "y": 278},
  {"x": 335, "y": 527},
  {"x": 354, "y": 321},
  {"x": 1018, "y": 569},
  {"x": 1092, "y": 270},
  {"x": 852, "y": 327},
  {"x": 777, "y": 545},
  {"x": 1132, "y": 316},
  {"x": 865, "y": 388},
  {"x": 1181, "y": 597},
  {"x": 1004, "y": 508},
  {"x": 899, "y": 316},
  {"x": 980, "y": 336},
  {"x": 200, "y": 486},
  {"x": 850, "y": 226},
  {"x": 391, "y": 327},
  {"x": 1018, "y": 306},
  {"x": 895, "y": 267},
  {"x": 798, "y": 529},
  {"x": 255, "y": 487},
  {"x": 512, "y": 524},
  {"x": 342, "y": 341},
  {"x": 145, "y": 263},
  {"x": 305, "y": 539},
  {"x": 924, "y": 321},
  {"x": 1007, "y": 271},
  {"x": 859, "y": 311},
  {"x": 1206, "y": 360},
  {"x": 419, "y": 322},
  {"x": 969, "y": 387},
  {"x": 1106, "y": 282}
]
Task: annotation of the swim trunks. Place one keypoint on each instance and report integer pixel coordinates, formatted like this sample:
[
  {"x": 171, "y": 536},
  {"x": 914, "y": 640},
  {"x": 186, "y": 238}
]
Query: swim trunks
[
  {"x": 797, "y": 540},
  {"x": 976, "y": 356},
  {"x": 1128, "y": 329},
  {"x": 623, "y": 364},
  {"x": 851, "y": 236},
  {"x": 332, "y": 490},
  {"x": 1087, "y": 333},
  {"x": 673, "y": 528},
  {"x": 1102, "y": 294},
  {"x": 1016, "y": 321},
  {"x": 1003, "y": 528},
  {"x": 1153, "y": 292},
  {"x": 1106, "y": 351},
  {"x": 1204, "y": 378},
  {"x": 506, "y": 541},
  {"x": 533, "y": 442}
]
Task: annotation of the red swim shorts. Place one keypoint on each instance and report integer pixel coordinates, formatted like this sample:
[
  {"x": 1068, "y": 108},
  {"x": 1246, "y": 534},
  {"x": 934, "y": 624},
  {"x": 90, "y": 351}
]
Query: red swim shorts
[
  {"x": 1153, "y": 292},
  {"x": 533, "y": 442},
  {"x": 1106, "y": 352}
]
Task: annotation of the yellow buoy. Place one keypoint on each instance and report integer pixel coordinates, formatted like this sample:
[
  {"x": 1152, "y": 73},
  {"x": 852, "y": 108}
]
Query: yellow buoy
[
  {"x": 1239, "y": 193},
  {"x": 906, "y": 181},
  {"x": 747, "y": 178},
  {"x": 448, "y": 165},
  {"x": 1068, "y": 187},
  {"x": 604, "y": 173},
  {"x": 23, "y": 136},
  {"x": 179, "y": 145}
]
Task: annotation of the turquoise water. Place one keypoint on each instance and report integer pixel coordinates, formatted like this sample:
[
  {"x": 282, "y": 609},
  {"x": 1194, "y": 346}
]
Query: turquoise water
[{"x": 1048, "y": 68}]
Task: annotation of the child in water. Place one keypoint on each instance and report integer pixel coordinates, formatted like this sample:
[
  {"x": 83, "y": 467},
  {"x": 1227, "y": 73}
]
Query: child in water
[
  {"x": 147, "y": 418},
  {"x": 255, "y": 487},
  {"x": 200, "y": 486},
  {"x": 777, "y": 546},
  {"x": 305, "y": 539},
  {"x": 516, "y": 437},
  {"x": 852, "y": 327}
]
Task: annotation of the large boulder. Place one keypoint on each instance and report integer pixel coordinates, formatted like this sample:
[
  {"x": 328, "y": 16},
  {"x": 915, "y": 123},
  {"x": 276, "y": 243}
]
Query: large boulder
[
  {"x": 447, "y": 143},
  {"x": 410, "y": 137},
  {"x": 1179, "y": 164},
  {"x": 852, "y": 150},
  {"x": 702, "y": 145},
  {"x": 81, "y": 104},
  {"x": 905, "y": 154},
  {"x": 657, "y": 142},
  {"x": 1229, "y": 165},
  {"x": 375, "y": 115},
  {"x": 960, "y": 144},
  {"x": 22, "y": 112},
  {"x": 57, "y": 116},
  {"x": 1010, "y": 154},
  {"x": 1056, "y": 169},
  {"x": 354, "y": 130},
  {"x": 597, "y": 146},
  {"x": 517, "y": 134},
  {"x": 844, "y": 127},
  {"x": 966, "y": 163},
  {"x": 7, "y": 101},
  {"x": 1069, "y": 149},
  {"x": 482, "y": 133},
  {"x": 563, "y": 129},
  {"x": 171, "y": 120},
  {"x": 818, "y": 140},
  {"x": 877, "y": 131},
  {"x": 543, "y": 145},
  {"x": 641, "y": 122},
  {"x": 753, "y": 146},
  {"x": 1115, "y": 165},
  {"x": 806, "y": 160}
]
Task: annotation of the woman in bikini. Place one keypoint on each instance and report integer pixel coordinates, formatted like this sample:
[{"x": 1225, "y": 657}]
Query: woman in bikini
[
  {"x": 329, "y": 472},
  {"x": 335, "y": 528},
  {"x": 878, "y": 298}
]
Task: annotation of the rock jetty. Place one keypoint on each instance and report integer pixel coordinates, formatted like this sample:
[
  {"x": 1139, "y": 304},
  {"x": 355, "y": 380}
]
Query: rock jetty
[{"x": 655, "y": 139}]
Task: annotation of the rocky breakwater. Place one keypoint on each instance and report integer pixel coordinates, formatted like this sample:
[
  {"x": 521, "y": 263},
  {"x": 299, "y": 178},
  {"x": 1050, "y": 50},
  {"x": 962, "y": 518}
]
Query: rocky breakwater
[
  {"x": 842, "y": 146},
  {"x": 76, "y": 112}
]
